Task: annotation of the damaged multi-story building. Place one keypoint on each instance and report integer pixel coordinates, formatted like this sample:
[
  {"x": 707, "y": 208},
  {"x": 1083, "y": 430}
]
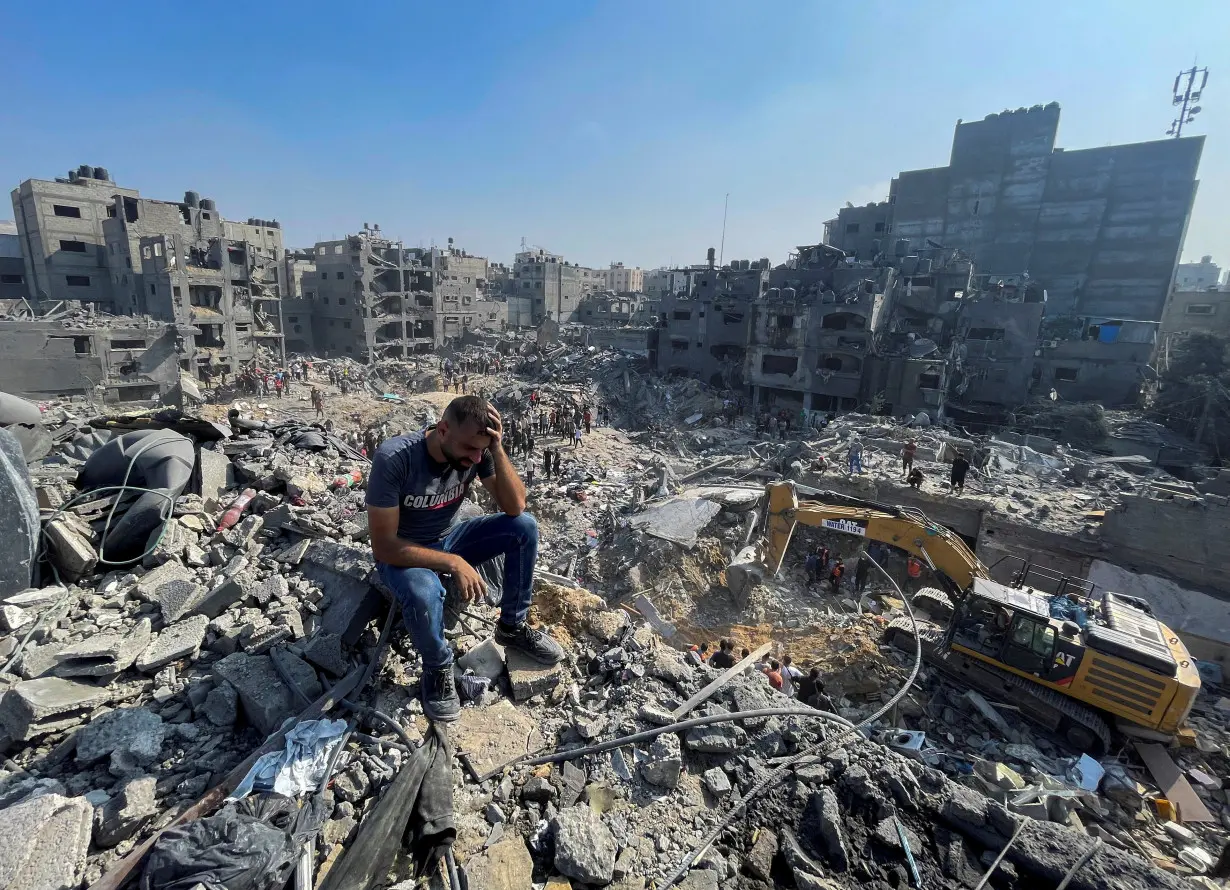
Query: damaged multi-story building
[
  {"x": 370, "y": 297},
  {"x": 549, "y": 287},
  {"x": 809, "y": 335},
  {"x": 1098, "y": 230},
  {"x": 218, "y": 283},
  {"x": 103, "y": 357},
  {"x": 703, "y": 331}
]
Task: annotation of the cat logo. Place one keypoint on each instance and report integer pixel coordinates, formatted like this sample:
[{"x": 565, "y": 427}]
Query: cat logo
[{"x": 1064, "y": 659}]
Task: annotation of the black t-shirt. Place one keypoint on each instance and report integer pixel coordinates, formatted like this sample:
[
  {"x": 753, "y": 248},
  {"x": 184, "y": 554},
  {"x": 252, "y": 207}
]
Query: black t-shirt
[
  {"x": 429, "y": 493},
  {"x": 721, "y": 660}
]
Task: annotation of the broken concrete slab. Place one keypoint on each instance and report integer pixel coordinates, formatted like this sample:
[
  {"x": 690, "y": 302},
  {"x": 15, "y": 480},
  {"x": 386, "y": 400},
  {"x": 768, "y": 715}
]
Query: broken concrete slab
[
  {"x": 44, "y": 842},
  {"x": 584, "y": 847},
  {"x": 104, "y": 654},
  {"x": 173, "y": 587},
  {"x": 221, "y": 706},
  {"x": 325, "y": 651},
  {"x": 14, "y": 618},
  {"x": 529, "y": 677},
  {"x": 505, "y": 865},
  {"x": 181, "y": 640},
  {"x": 663, "y": 762},
  {"x": 71, "y": 550},
  {"x": 273, "y": 587},
  {"x": 131, "y": 732},
  {"x": 302, "y": 674},
  {"x": 131, "y": 807},
  {"x": 486, "y": 660},
  {"x": 267, "y": 701},
  {"x": 217, "y": 475},
  {"x": 36, "y": 598},
  {"x": 494, "y": 735},
  {"x": 222, "y": 597},
  {"x": 36, "y": 707}
]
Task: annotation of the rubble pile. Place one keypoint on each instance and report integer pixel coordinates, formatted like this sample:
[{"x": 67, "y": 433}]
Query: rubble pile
[{"x": 131, "y": 690}]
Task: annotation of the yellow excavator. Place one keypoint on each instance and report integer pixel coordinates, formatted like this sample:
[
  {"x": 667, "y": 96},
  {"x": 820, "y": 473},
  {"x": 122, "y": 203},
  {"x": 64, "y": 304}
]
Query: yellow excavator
[{"x": 1070, "y": 660}]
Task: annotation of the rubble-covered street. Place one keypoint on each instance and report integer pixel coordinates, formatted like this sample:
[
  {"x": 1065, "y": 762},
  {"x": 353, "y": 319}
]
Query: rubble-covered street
[{"x": 194, "y": 641}]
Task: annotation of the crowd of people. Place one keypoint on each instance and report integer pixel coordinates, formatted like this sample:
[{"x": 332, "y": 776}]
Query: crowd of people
[{"x": 781, "y": 674}]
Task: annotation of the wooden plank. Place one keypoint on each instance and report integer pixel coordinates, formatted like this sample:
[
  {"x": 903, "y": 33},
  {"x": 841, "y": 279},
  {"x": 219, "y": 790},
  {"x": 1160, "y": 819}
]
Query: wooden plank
[
  {"x": 721, "y": 681},
  {"x": 123, "y": 870},
  {"x": 1175, "y": 788}
]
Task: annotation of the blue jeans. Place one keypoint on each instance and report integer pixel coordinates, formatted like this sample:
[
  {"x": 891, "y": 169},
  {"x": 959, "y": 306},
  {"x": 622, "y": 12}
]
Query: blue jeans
[
  {"x": 856, "y": 463},
  {"x": 420, "y": 593}
]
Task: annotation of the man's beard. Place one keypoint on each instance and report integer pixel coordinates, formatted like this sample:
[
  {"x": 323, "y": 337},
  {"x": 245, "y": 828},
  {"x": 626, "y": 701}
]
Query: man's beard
[{"x": 460, "y": 464}]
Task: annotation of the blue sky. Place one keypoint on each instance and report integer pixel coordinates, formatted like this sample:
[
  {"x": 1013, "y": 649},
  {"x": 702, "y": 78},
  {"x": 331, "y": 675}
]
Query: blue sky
[{"x": 604, "y": 131}]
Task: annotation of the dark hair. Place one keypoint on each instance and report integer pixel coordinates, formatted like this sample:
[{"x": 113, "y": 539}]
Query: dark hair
[
  {"x": 467, "y": 408},
  {"x": 704, "y": 647},
  {"x": 745, "y": 653},
  {"x": 773, "y": 664},
  {"x": 815, "y": 673},
  {"x": 786, "y": 659},
  {"x": 725, "y": 644}
]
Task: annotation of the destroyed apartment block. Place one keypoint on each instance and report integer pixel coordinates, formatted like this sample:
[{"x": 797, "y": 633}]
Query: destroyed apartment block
[
  {"x": 108, "y": 359},
  {"x": 175, "y": 262}
]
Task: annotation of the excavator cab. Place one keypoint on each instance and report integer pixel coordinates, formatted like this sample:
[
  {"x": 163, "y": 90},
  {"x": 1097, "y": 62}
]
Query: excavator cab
[{"x": 1014, "y": 627}]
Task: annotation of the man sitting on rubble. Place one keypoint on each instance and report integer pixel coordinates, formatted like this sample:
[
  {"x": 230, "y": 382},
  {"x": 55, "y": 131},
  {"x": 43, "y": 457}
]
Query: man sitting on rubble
[{"x": 418, "y": 482}]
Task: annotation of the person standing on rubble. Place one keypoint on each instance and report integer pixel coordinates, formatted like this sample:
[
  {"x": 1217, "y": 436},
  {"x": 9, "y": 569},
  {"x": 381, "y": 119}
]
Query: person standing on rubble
[
  {"x": 576, "y": 436},
  {"x": 862, "y": 572},
  {"x": 318, "y": 402},
  {"x": 960, "y": 466},
  {"x": 723, "y": 658},
  {"x": 813, "y": 567},
  {"x": 417, "y": 484},
  {"x": 836, "y": 573},
  {"x": 854, "y": 456},
  {"x": 907, "y": 457},
  {"x": 555, "y": 464},
  {"x": 587, "y": 417},
  {"x": 546, "y": 463},
  {"x": 790, "y": 676}
]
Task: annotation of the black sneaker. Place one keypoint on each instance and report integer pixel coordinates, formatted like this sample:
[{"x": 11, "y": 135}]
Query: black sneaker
[
  {"x": 440, "y": 701},
  {"x": 537, "y": 644}
]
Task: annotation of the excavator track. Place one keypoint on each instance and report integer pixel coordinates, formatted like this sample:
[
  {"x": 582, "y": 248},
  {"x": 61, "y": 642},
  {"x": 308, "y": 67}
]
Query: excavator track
[
  {"x": 934, "y": 602},
  {"x": 990, "y": 680}
]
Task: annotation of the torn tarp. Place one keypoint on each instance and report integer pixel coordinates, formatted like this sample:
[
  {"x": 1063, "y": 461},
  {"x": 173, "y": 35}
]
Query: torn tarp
[
  {"x": 300, "y": 765},
  {"x": 419, "y": 803}
]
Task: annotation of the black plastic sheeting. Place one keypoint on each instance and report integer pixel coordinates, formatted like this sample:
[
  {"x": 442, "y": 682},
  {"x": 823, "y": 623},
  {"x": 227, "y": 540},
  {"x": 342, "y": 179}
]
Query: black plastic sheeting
[
  {"x": 161, "y": 460},
  {"x": 251, "y": 844},
  {"x": 419, "y": 805}
]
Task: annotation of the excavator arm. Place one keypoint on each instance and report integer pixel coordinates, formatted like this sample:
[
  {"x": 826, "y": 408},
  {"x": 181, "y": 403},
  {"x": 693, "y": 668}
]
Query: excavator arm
[{"x": 932, "y": 543}]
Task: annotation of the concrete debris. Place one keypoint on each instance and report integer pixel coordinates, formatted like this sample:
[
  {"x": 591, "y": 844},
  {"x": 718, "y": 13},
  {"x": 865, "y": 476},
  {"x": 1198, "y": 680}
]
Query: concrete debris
[
  {"x": 143, "y": 685},
  {"x": 123, "y": 734},
  {"x": 44, "y": 842},
  {"x": 584, "y": 847}
]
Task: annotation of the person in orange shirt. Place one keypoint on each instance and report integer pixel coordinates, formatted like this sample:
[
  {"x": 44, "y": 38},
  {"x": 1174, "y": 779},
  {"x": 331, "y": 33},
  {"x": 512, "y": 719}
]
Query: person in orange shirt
[{"x": 774, "y": 673}]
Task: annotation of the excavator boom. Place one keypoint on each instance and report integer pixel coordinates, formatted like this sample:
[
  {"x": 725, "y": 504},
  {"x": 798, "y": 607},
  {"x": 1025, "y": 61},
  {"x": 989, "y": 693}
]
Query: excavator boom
[{"x": 935, "y": 545}]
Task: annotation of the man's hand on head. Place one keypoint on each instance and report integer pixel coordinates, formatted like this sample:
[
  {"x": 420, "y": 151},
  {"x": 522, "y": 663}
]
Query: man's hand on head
[{"x": 495, "y": 427}]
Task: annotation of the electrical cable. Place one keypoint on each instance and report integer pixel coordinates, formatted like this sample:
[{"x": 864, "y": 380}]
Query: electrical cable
[
  {"x": 649, "y": 734},
  {"x": 778, "y": 774}
]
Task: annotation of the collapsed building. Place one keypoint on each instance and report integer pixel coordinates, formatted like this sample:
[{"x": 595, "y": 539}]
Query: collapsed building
[
  {"x": 217, "y": 283},
  {"x": 250, "y": 650}
]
